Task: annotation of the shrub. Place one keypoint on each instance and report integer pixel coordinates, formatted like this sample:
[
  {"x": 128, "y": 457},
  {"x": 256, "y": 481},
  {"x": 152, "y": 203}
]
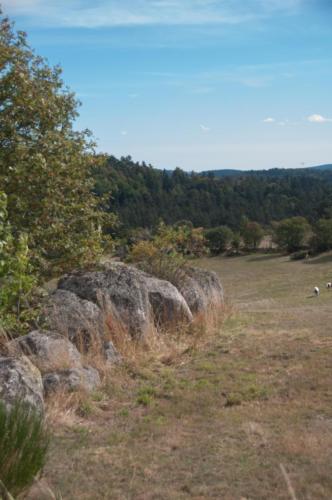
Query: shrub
[
  {"x": 23, "y": 444},
  {"x": 16, "y": 275},
  {"x": 161, "y": 256},
  {"x": 322, "y": 238},
  {"x": 252, "y": 234},
  {"x": 218, "y": 239},
  {"x": 291, "y": 233}
]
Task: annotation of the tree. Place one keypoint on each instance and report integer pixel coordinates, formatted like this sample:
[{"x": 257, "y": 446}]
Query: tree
[
  {"x": 45, "y": 165},
  {"x": 291, "y": 233},
  {"x": 218, "y": 239},
  {"x": 252, "y": 234},
  {"x": 322, "y": 239}
]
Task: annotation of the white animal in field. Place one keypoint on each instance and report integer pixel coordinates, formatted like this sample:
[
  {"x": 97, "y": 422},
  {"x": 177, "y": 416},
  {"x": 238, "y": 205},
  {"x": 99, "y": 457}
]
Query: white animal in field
[
  {"x": 316, "y": 291},
  {"x": 329, "y": 285}
]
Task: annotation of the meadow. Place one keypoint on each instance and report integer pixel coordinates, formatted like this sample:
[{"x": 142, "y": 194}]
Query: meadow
[{"x": 245, "y": 414}]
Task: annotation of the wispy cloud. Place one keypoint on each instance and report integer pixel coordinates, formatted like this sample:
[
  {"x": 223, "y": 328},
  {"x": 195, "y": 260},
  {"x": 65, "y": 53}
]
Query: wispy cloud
[
  {"x": 269, "y": 120},
  {"x": 318, "y": 119},
  {"x": 81, "y": 13},
  {"x": 204, "y": 128}
]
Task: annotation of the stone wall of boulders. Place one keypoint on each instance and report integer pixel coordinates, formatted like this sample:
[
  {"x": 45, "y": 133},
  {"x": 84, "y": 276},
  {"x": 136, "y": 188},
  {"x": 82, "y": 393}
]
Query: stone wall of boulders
[{"x": 81, "y": 315}]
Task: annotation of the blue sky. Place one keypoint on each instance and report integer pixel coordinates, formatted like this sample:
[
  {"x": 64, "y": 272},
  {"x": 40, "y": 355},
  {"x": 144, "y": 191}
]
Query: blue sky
[{"x": 199, "y": 84}]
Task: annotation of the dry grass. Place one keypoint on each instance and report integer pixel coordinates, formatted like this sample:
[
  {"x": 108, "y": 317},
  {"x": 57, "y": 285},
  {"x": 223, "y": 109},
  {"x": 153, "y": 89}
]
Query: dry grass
[{"x": 243, "y": 413}]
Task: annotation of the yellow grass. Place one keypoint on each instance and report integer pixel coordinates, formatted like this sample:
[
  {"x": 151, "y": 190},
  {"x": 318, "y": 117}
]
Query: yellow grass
[{"x": 243, "y": 413}]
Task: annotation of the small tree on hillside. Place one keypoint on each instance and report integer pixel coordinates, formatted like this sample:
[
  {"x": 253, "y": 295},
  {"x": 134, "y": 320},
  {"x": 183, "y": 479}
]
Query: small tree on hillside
[
  {"x": 218, "y": 239},
  {"x": 322, "y": 238},
  {"x": 291, "y": 233},
  {"x": 45, "y": 165},
  {"x": 252, "y": 234}
]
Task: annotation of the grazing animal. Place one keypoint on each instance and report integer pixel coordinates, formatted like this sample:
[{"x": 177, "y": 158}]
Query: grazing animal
[
  {"x": 316, "y": 291},
  {"x": 329, "y": 285}
]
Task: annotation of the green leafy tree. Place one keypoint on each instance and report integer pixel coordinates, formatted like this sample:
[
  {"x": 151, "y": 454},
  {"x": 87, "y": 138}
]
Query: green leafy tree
[
  {"x": 45, "y": 165},
  {"x": 252, "y": 234},
  {"x": 218, "y": 239},
  {"x": 291, "y": 233},
  {"x": 322, "y": 238}
]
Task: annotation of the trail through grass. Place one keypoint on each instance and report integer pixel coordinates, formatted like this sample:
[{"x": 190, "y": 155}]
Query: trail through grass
[{"x": 223, "y": 421}]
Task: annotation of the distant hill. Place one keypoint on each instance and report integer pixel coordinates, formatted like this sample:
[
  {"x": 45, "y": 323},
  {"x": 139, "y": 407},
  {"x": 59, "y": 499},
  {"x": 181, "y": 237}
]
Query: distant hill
[{"x": 275, "y": 172}]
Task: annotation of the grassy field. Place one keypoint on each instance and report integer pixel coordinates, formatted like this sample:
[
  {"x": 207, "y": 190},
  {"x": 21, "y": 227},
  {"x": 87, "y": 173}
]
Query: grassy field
[{"x": 247, "y": 416}]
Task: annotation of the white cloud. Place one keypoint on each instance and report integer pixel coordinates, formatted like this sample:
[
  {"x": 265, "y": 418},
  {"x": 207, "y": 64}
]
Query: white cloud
[
  {"x": 204, "y": 128},
  {"x": 84, "y": 13},
  {"x": 269, "y": 120},
  {"x": 124, "y": 132},
  {"x": 318, "y": 119}
]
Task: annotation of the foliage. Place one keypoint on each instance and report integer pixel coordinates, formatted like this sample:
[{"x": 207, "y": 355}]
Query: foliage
[
  {"x": 142, "y": 195},
  {"x": 252, "y": 234},
  {"x": 322, "y": 239},
  {"x": 291, "y": 233},
  {"x": 218, "y": 239},
  {"x": 164, "y": 255},
  {"x": 23, "y": 444},
  {"x": 236, "y": 242},
  {"x": 45, "y": 165},
  {"x": 16, "y": 276}
]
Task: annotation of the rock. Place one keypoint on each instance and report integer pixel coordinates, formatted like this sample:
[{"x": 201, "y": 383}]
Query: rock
[
  {"x": 81, "y": 321},
  {"x": 119, "y": 290},
  {"x": 201, "y": 289},
  {"x": 21, "y": 380},
  {"x": 168, "y": 305},
  {"x": 111, "y": 354},
  {"x": 48, "y": 351},
  {"x": 57, "y": 359},
  {"x": 84, "y": 378},
  {"x": 130, "y": 297}
]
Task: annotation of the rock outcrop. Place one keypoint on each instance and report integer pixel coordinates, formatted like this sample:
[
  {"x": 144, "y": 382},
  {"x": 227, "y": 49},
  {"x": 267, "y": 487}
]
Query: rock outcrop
[
  {"x": 201, "y": 289},
  {"x": 48, "y": 351},
  {"x": 81, "y": 321},
  {"x": 73, "y": 379},
  {"x": 58, "y": 360},
  {"x": 21, "y": 380},
  {"x": 130, "y": 297},
  {"x": 168, "y": 305}
]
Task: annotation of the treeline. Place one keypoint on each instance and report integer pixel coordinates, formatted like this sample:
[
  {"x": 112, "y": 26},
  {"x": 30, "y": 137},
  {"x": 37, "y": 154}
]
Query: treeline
[{"x": 142, "y": 196}]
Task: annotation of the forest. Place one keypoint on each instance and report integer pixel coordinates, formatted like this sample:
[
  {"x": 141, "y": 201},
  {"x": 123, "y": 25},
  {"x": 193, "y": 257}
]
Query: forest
[{"x": 141, "y": 195}]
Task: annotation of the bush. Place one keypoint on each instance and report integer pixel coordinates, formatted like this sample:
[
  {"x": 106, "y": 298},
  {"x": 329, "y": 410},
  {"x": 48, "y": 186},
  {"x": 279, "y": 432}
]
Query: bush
[
  {"x": 16, "y": 275},
  {"x": 322, "y": 238},
  {"x": 292, "y": 233},
  {"x": 218, "y": 239},
  {"x": 23, "y": 446},
  {"x": 252, "y": 234},
  {"x": 300, "y": 255}
]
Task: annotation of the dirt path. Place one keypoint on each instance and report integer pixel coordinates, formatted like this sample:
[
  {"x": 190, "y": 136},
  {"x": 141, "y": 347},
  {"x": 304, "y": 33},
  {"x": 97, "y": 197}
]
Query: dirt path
[{"x": 247, "y": 417}]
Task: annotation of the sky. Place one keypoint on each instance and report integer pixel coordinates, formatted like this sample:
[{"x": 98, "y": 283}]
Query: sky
[{"x": 199, "y": 84}]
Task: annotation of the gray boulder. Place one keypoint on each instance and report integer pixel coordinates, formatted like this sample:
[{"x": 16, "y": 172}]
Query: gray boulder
[
  {"x": 73, "y": 379},
  {"x": 57, "y": 359},
  {"x": 120, "y": 292},
  {"x": 201, "y": 289},
  {"x": 48, "y": 351},
  {"x": 81, "y": 321},
  {"x": 129, "y": 297},
  {"x": 21, "y": 380},
  {"x": 111, "y": 354},
  {"x": 168, "y": 305}
]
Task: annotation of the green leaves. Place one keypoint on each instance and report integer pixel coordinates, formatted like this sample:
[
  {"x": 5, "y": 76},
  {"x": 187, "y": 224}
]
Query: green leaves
[{"x": 45, "y": 165}]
